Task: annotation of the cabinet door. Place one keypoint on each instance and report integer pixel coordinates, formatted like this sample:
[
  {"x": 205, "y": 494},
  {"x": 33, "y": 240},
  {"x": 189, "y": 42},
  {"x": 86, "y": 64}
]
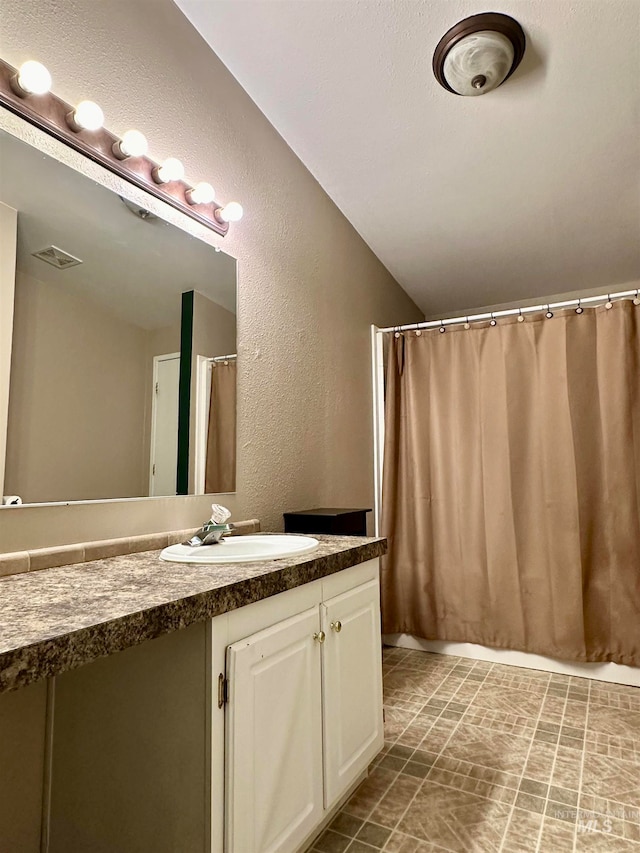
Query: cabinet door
[
  {"x": 352, "y": 674},
  {"x": 274, "y": 737}
]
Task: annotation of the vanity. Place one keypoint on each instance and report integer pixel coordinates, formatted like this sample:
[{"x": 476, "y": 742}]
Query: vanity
[{"x": 227, "y": 707}]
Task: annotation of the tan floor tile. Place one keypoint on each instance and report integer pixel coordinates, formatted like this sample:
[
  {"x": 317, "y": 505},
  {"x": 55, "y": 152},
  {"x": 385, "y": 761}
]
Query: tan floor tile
[
  {"x": 497, "y": 697},
  {"x": 413, "y": 680},
  {"x": 455, "y": 820},
  {"x": 566, "y": 773},
  {"x": 496, "y": 754},
  {"x": 404, "y": 702},
  {"x": 500, "y": 721},
  {"x": 401, "y": 843},
  {"x": 370, "y": 792},
  {"x": 519, "y": 679},
  {"x": 522, "y": 832},
  {"x": 557, "y": 837},
  {"x": 553, "y": 709},
  {"x": 418, "y": 731},
  {"x": 331, "y": 842},
  {"x": 575, "y": 713},
  {"x": 467, "y": 691},
  {"x": 396, "y": 721},
  {"x": 438, "y": 735},
  {"x": 617, "y": 722},
  {"x": 589, "y": 841},
  {"x": 487, "y": 748},
  {"x": 615, "y": 696},
  {"x": 395, "y": 801},
  {"x": 540, "y": 761},
  {"x": 612, "y": 779}
]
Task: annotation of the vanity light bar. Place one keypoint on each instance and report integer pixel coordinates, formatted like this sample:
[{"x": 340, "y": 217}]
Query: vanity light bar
[{"x": 26, "y": 92}]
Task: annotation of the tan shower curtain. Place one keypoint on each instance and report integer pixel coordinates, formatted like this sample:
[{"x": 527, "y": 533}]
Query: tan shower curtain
[
  {"x": 511, "y": 493},
  {"x": 220, "y": 473}
]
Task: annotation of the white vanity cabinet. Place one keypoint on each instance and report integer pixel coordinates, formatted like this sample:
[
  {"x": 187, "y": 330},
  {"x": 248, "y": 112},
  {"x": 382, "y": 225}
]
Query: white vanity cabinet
[
  {"x": 304, "y": 710},
  {"x": 236, "y": 735},
  {"x": 274, "y": 736},
  {"x": 352, "y": 686}
]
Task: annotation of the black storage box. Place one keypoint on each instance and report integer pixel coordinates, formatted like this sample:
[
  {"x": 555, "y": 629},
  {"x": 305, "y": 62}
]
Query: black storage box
[{"x": 341, "y": 522}]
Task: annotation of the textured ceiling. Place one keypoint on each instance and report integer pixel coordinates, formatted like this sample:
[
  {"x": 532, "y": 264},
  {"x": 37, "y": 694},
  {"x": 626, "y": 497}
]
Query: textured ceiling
[{"x": 530, "y": 190}]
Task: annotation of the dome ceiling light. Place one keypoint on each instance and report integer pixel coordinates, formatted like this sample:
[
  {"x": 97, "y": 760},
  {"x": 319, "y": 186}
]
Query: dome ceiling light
[{"x": 479, "y": 53}]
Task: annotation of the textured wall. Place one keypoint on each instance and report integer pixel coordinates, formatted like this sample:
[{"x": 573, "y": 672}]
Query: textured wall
[
  {"x": 77, "y": 398},
  {"x": 308, "y": 287},
  {"x": 22, "y": 743}
]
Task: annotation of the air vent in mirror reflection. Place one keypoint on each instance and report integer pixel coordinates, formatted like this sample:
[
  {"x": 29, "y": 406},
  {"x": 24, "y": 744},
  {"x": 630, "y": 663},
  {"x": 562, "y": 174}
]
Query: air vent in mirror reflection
[{"x": 57, "y": 258}]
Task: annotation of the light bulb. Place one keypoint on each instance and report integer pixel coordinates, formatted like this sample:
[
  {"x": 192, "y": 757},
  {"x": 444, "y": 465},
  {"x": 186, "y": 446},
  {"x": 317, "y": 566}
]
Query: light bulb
[
  {"x": 132, "y": 144},
  {"x": 86, "y": 116},
  {"x": 231, "y": 212},
  {"x": 33, "y": 78},
  {"x": 171, "y": 170},
  {"x": 202, "y": 193}
]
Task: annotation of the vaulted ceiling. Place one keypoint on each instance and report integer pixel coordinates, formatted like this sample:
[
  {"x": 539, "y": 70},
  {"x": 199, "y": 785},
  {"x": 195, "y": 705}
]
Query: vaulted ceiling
[{"x": 532, "y": 189}]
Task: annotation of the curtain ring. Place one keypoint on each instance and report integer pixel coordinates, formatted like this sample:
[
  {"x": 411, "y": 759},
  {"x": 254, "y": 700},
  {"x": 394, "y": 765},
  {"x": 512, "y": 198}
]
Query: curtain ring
[
  {"x": 549, "y": 313},
  {"x": 442, "y": 329},
  {"x": 636, "y": 301},
  {"x": 397, "y": 333},
  {"x": 579, "y": 309},
  {"x": 418, "y": 332},
  {"x": 608, "y": 304},
  {"x": 520, "y": 317},
  {"x": 493, "y": 321},
  {"x": 467, "y": 324}
]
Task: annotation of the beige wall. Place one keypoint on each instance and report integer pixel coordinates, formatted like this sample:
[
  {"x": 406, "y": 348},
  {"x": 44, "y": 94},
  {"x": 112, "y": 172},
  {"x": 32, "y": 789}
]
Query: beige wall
[
  {"x": 308, "y": 287},
  {"x": 77, "y": 400},
  {"x": 22, "y": 756},
  {"x": 8, "y": 232},
  {"x": 214, "y": 328}
]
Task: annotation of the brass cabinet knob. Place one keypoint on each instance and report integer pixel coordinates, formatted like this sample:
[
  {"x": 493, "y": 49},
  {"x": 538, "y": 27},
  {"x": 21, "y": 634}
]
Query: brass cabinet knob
[
  {"x": 337, "y": 626},
  {"x": 320, "y": 636}
]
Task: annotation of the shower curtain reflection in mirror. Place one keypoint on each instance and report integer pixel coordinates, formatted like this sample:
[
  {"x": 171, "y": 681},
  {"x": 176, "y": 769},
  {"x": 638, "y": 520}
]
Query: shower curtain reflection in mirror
[{"x": 220, "y": 472}]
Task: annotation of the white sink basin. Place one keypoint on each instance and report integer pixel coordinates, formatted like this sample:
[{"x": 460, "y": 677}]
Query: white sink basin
[{"x": 241, "y": 549}]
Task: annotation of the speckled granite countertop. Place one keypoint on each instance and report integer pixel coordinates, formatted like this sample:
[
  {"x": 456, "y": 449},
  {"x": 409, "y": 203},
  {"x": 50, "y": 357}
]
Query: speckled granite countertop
[{"x": 57, "y": 619}]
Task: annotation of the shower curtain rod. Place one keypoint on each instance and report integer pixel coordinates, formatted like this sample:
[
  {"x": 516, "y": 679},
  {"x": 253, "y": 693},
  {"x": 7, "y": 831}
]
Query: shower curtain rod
[
  {"x": 509, "y": 312},
  {"x": 223, "y": 357}
]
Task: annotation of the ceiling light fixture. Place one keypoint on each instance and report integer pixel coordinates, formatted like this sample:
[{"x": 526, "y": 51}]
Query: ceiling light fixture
[{"x": 479, "y": 53}]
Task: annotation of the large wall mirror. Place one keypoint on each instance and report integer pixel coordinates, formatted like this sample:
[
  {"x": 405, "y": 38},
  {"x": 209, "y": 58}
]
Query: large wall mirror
[{"x": 122, "y": 376}]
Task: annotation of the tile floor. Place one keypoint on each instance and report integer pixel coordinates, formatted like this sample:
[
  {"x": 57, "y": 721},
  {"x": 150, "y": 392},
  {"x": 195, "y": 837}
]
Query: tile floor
[{"x": 485, "y": 757}]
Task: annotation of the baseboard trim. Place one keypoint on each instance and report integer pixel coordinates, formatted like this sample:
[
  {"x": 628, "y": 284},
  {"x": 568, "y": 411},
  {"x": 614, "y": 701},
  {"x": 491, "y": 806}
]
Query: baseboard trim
[{"x": 612, "y": 672}]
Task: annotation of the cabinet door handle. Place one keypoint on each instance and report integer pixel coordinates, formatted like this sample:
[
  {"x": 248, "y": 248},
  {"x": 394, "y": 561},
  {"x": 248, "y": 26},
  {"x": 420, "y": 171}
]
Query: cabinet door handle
[
  {"x": 320, "y": 636},
  {"x": 337, "y": 626}
]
